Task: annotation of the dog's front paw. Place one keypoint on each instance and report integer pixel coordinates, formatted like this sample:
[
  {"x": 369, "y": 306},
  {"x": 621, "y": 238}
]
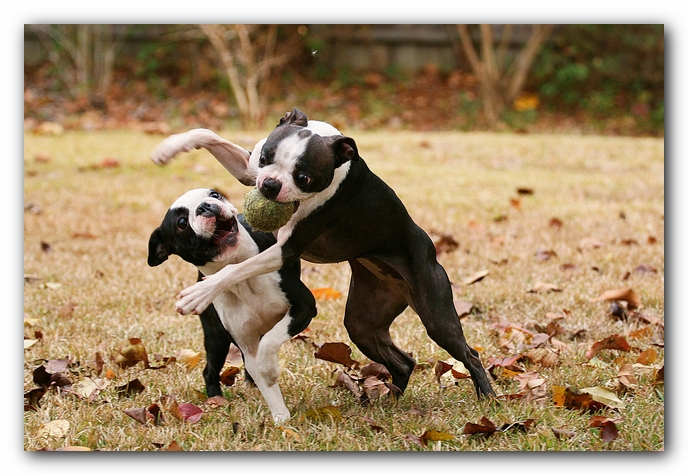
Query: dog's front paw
[
  {"x": 195, "y": 299},
  {"x": 171, "y": 146},
  {"x": 281, "y": 416}
]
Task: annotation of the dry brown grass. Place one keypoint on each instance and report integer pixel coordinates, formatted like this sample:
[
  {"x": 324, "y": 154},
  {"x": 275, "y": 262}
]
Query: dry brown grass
[{"x": 96, "y": 222}]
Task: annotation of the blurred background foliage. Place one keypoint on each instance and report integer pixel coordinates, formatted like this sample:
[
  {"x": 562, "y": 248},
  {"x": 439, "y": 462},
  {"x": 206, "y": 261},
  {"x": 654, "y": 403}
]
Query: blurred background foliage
[{"x": 583, "y": 78}]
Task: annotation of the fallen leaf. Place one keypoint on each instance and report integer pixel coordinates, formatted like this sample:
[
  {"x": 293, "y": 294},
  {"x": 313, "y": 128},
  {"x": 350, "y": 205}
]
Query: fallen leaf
[
  {"x": 109, "y": 163},
  {"x": 174, "y": 447},
  {"x": 545, "y": 254},
  {"x": 188, "y": 357},
  {"x": 485, "y": 426},
  {"x": 414, "y": 439},
  {"x": 67, "y": 310},
  {"x": 640, "y": 333},
  {"x": 29, "y": 343},
  {"x": 613, "y": 342},
  {"x": 543, "y": 287},
  {"x": 433, "y": 435},
  {"x": 216, "y": 401},
  {"x": 290, "y": 433},
  {"x": 608, "y": 430},
  {"x": 647, "y": 357},
  {"x": 627, "y": 377},
  {"x": 139, "y": 414},
  {"x": 463, "y": 308},
  {"x": 57, "y": 428},
  {"x": 563, "y": 433},
  {"x": 531, "y": 387},
  {"x": 544, "y": 356},
  {"x": 589, "y": 243},
  {"x": 190, "y": 412},
  {"x": 624, "y": 294},
  {"x": 132, "y": 354},
  {"x": 33, "y": 398},
  {"x": 372, "y": 424},
  {"x": 326, "y": 412},
  {"x": 42, "y": 157},
  {"x": 336, "y": 352},
  {"x": 376, "y": 369},
  {"x": 441, "y": 367},
  {"x": 326, "y": 293},
  {"x": 477, "y": 277},
  {"x": 374, "y": 388},
  {"x": 57, "y": 366},
  {"x": 74, "y": 448},
  {"x": 156, "y": 413},
  {"x": 522, "y": 426},
  {"x": 444, "y": 243},
  {"x": 659, "y": 378},
  {"x": 132, "y": 387},
  {"x": 343, "y": 380},
  {"x": 87, "y": 388},
  {"x": 29, "y": 321},
  {"x": 574, "y": 400},
  {"x": 229, "y": 375},
  {"x": 604, "y": 396},
  {"x": 555, "y": 223},
  {"x": 84, "y": 235}
]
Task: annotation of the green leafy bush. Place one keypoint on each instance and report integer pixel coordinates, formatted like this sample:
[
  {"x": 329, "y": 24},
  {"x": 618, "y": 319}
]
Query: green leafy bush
[{"x": 604, "y": 70}]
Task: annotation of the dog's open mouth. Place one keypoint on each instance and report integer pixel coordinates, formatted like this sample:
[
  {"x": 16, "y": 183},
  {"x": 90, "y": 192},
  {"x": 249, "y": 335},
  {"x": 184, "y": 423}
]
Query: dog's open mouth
[{"x": 226, "y": 231}]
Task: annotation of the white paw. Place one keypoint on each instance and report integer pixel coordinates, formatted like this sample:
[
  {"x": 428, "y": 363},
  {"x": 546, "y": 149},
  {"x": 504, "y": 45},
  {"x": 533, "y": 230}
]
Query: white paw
[
  {"x": 171, "y": 146},
  {"x": 195, "y": 299},
  {"x": 279, "y": 417}
]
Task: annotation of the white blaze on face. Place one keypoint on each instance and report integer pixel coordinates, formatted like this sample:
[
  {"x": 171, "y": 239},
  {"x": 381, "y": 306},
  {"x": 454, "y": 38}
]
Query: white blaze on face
[
  {"x": 203, "y": 226},
  {"x": 282, "y": 168},
  {"x": 287, "y": 155}
]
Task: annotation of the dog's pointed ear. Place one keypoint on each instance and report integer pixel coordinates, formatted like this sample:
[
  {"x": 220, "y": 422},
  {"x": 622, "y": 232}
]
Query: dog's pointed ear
[
  {"x": 295, "y": 117},
  {"x": 157, "y": 250},
  {"x": 344, "y": 149}
]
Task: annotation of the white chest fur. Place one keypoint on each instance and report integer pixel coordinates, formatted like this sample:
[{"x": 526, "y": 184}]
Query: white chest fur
[{"x": 251, "y": 308}]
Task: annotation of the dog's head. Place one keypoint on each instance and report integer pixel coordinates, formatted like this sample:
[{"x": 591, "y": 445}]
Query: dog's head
[
  {"x": 299, "y": 158},
  {"x": 201, "y": 227}
]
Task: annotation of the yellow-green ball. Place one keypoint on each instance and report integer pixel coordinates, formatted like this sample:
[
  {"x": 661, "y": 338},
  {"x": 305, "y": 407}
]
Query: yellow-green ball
[{"x": 264, "y": 214}]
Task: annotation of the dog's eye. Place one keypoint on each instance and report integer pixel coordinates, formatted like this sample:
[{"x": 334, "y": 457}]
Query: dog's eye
[
  {"x": 182, "y": 223},
  {"x": 302, "y": 179},
  {"x": 215, "y": 194},
  {"x": 262, "y": 161}
]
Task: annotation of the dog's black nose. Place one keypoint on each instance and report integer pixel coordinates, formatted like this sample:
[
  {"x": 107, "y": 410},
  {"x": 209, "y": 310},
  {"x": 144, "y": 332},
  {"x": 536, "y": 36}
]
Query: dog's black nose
[
  {"x": 270, "y": 188},
  {"x": 207, "y": 209}
]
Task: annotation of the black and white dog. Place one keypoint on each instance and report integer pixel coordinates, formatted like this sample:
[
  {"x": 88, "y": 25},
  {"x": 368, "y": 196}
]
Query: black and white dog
[
  {"x": 345, "y": 213},
  {"x": 258, "y": 314}
]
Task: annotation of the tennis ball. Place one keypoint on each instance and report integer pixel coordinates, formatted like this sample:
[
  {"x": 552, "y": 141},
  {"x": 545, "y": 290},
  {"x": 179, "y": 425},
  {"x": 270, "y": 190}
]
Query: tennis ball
[{"x": 264, "y": 214}]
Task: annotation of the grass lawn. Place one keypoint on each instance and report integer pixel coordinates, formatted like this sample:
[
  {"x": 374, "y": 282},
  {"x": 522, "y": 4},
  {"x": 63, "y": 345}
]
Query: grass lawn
[{"x": 551, "y": 221}]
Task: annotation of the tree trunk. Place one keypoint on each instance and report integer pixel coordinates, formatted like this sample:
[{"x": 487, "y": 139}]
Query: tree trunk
[{"x": 500, "y": 85}]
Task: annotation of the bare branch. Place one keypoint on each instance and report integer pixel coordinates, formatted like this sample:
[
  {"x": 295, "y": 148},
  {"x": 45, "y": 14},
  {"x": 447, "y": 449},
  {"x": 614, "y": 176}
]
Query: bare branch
[
  {"x": 540, "y": 35},
  {"x": 469, "y": 49}
]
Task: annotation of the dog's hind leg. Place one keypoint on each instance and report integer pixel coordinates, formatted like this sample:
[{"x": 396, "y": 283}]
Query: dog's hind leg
[
  {"x": 216, "y": 341},
  {"x": 431, "y": 297},
  {"x": 268, "y": 386},
  {"x": 371, "y": 307}
]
